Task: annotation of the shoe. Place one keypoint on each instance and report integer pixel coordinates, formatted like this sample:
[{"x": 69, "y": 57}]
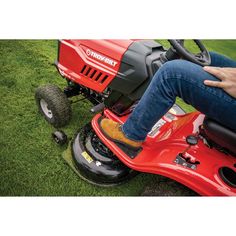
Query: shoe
[{"x": 112, "y": 130}]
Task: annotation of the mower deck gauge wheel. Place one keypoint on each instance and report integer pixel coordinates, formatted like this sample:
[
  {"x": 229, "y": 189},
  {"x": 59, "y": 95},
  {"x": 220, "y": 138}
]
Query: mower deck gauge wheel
[{"x": 59, "y": 137}]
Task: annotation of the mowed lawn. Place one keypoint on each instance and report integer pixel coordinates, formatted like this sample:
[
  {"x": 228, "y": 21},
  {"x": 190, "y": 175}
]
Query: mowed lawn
[{"x": 30, "y": 162}]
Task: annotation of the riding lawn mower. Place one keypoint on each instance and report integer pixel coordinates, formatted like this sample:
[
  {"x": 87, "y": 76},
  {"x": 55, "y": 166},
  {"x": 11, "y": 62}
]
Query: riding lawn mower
[{"x": 189, "y": 148}]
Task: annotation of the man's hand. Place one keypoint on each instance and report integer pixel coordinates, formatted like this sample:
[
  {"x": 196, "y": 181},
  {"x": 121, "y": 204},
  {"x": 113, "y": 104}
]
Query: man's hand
[{"x": 227, "y": 77}]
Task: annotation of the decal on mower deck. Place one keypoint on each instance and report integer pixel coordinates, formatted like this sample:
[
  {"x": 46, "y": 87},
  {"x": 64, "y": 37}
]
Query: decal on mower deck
[
  {"x": 100, "y": 57},
  {"x": 86, "y": 156}
]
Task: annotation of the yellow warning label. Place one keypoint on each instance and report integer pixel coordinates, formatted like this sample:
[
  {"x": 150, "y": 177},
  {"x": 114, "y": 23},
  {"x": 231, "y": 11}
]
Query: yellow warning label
[
  {"x": 86, "y": 156},
  {"x": 173, "y": 111}
]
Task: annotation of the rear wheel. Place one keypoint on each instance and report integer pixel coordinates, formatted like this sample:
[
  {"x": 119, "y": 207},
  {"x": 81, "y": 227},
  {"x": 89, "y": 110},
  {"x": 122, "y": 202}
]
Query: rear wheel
[{"x": 53, "y": 105}]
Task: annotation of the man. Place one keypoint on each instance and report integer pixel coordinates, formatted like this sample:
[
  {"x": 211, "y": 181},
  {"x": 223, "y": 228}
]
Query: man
[{"x": 211, "y": 90}]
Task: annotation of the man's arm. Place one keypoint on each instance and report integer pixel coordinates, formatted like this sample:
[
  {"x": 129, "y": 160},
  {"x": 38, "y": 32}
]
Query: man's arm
[{"x": 227, "y": 77}]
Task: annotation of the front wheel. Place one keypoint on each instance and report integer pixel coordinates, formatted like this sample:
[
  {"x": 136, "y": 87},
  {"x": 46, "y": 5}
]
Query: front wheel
[{"x": 53, "y": 105}]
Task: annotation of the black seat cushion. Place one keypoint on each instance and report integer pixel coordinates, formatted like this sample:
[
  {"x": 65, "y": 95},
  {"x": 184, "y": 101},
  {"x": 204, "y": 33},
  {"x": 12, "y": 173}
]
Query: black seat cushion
[{"x": 220, "y": 134}]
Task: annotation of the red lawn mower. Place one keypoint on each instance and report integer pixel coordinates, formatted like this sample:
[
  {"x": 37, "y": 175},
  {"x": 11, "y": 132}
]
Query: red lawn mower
[{"x": 191, "y": 149}]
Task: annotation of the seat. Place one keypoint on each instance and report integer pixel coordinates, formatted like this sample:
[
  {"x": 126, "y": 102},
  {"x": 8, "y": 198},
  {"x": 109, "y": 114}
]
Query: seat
[{"x": 220, "y": 134}]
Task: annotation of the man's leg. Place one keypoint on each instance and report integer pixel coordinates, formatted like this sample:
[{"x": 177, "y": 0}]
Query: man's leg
[
  {"x": 218, "y": 60},
  {"x": 180, "y": 78}
]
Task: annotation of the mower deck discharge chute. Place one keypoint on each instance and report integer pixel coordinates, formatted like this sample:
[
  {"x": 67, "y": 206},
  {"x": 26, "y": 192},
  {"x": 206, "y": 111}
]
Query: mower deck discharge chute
[{"x": 113, "y": 75}]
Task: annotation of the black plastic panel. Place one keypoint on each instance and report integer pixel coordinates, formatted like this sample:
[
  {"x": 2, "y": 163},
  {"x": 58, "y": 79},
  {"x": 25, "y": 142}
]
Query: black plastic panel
[
  {"x": 220, "y": 134},
  {"x": 139, "y": 64}
]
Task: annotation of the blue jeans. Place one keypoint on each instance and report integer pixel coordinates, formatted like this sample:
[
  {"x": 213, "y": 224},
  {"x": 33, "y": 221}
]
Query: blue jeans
[{"x": 184, "y": 79}]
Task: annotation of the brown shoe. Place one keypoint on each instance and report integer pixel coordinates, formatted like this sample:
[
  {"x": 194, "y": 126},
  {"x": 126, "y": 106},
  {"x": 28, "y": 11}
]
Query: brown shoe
[{"x": 112, "y": 130}]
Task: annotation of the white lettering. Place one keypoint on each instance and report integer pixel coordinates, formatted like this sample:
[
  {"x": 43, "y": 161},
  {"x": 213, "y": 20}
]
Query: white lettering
[{"x": 101, "y": 57}]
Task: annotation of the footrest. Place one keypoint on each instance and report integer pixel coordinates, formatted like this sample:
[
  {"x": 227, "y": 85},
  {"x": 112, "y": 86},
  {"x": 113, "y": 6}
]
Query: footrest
[
  {"x": 132, "y": 153},
  {"x": 129, "y": 152}
]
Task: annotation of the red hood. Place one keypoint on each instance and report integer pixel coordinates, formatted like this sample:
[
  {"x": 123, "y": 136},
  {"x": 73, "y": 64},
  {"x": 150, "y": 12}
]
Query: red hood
[{"x": 112, "y": 48}]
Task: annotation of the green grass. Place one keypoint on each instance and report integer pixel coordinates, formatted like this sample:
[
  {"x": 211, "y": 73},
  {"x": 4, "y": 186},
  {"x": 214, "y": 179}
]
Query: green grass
[{"x": 30, "y": 162}]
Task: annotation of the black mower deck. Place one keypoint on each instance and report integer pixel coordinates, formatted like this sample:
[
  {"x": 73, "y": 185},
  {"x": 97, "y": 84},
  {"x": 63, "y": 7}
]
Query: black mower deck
[{"x": 90, "y": 160}]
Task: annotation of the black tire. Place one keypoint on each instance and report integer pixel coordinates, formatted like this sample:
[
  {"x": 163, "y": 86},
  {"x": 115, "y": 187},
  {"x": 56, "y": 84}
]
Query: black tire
[
  {"x": 57, "y": 103},
  {"x": 59, "y": 137}
]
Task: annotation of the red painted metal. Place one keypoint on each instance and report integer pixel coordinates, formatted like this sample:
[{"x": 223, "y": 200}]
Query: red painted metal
[
  {"x": 92, "y": 63},
  {"x": 159, "y": 153}
]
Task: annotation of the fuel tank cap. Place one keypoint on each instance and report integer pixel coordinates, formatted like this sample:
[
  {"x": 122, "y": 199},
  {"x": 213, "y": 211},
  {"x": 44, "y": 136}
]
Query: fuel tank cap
[{"x": 191, "y": 140}]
